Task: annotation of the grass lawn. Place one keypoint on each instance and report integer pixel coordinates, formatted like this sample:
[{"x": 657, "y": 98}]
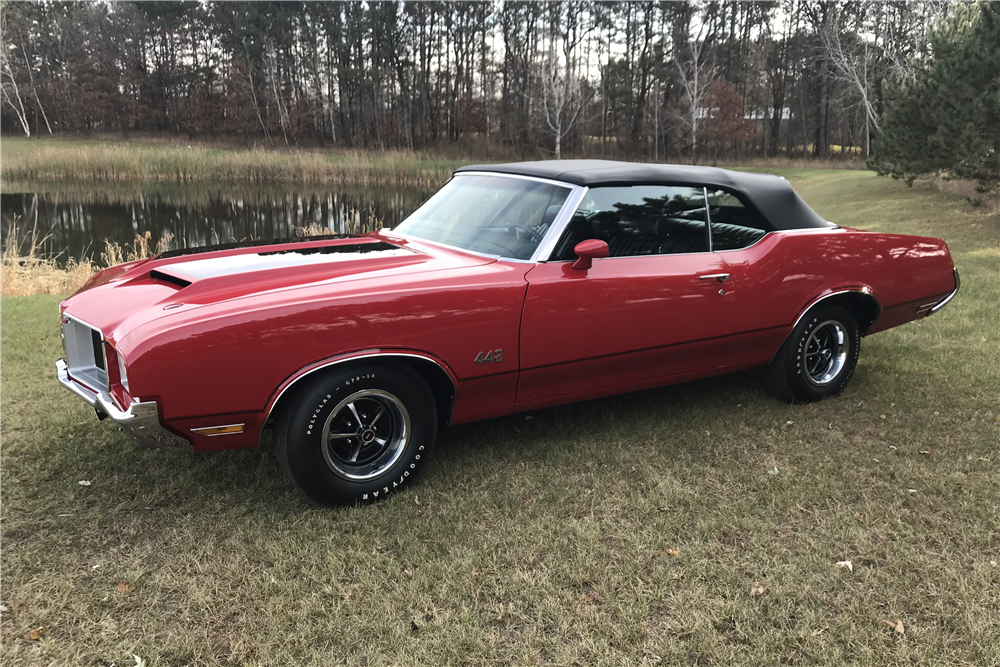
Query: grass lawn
[{"x": 698, "y": 524}]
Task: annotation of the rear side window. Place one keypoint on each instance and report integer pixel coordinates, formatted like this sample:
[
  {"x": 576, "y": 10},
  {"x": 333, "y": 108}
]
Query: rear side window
[
  {"x": 734, "y": 225},
  {"x": 639, "y": 220}
]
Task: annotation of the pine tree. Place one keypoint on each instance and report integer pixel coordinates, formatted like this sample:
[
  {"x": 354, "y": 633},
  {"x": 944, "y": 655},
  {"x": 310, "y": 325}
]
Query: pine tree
[{"x": 947, "y": 117}]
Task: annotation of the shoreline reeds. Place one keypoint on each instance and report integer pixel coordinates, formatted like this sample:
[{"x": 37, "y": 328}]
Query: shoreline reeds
[
  {"x": 25, "y": 272},
  {"x": 104, "y": 162},
  {"x": 90, "y": 161}
]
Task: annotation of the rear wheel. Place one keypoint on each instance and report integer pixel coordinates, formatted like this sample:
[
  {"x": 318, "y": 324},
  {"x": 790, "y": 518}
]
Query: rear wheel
[
  {"x": 357, "y": 434},
  {"x": 818, "y": 358}
]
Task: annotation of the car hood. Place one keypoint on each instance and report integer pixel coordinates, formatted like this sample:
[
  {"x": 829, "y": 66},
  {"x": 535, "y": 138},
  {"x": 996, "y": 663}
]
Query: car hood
[{"x": 126, "y": 296}]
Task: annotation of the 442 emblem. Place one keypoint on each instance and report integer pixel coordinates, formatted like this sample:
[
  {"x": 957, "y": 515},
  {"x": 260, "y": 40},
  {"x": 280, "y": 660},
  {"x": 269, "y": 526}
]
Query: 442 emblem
[{"x": 490, "y": 357}]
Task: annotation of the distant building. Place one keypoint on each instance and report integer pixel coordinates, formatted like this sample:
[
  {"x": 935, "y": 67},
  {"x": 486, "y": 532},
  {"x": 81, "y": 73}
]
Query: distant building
[
  {"x": 759, "y": 114},
  {"x": 752, "y": 114}
]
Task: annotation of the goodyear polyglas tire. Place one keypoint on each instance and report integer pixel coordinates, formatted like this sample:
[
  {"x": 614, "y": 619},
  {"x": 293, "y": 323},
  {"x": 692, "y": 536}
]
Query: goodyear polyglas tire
[
  {"x": 819, "y": 357},
  {"x": 357, "y": 434}
]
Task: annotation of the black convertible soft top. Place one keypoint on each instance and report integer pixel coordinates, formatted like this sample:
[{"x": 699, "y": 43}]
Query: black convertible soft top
[{"x": 773, "y": 196}]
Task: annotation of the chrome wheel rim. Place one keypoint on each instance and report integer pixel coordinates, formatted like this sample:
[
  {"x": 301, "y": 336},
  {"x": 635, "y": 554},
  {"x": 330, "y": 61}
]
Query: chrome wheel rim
[
  {"x": 365, "y": 434},
  {"x": 826, "y": 352}
]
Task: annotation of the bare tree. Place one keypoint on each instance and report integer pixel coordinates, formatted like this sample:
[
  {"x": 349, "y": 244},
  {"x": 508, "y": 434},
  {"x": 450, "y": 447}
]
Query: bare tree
[
  {"x": 270, "y": 60},
  {"x": 855, "y": 66},
  {"x": 562, "y": 98},
  {"x": 248, "y": 67},
  {"x": 696, "y": 73},
  {"x": 31, "y": 80},
  {"x": 8, "y": 84}
]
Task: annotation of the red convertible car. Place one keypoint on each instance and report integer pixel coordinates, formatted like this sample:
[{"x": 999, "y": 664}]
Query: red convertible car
[{"x": 515, "y": 287}]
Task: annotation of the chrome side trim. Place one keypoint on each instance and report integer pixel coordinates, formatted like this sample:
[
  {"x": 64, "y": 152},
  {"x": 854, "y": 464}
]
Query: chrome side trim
[
  {"x": 545, "y": 249},
  {"x": 708, "y": 217},
  {"x": 538, "y": 179},
  {"x": 944, "y": 302},
  {"x": 201, "y": 431},
  {"x": 859, "y": 290},
  {"x": 140, "y": 420},
  {"x": 348, "y": 358}
]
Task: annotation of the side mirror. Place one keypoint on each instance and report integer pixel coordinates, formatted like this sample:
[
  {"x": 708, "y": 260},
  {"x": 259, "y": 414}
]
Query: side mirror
[{"x": 587, "y": 251}]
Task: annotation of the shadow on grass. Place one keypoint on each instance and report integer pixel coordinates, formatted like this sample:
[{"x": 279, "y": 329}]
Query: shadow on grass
[
  {"x": 137, "y": 479},
  {"x": 247, "y": 485},
  {"x": 538, "y": 432}
]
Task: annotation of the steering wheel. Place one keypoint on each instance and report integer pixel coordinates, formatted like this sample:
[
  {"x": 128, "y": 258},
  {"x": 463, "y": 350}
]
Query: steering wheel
[{"x": 534, "y": 236}]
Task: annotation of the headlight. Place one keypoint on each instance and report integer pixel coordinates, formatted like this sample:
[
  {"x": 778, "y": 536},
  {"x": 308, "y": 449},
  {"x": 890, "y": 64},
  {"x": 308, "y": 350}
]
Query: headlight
[{"x": 121, "y": 371}]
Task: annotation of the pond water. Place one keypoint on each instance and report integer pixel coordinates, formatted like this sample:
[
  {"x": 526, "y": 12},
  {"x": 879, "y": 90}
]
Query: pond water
[{"x": 74, "y": 222}]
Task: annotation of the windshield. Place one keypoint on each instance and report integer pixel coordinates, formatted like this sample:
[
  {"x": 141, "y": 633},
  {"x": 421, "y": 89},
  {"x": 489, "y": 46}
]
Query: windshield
[{"x": 493, "y": 215}]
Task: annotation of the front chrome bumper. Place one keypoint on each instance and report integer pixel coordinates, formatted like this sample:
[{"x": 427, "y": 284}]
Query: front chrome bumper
[{"x": 141, "y": 420}]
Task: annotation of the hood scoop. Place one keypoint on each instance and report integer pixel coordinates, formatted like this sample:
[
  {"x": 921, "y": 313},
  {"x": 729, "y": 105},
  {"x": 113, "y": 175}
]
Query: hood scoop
[{"x": 180, "y": 283}]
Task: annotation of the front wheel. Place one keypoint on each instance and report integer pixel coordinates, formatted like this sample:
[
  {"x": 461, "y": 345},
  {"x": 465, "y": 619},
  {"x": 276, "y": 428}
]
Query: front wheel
[
  {"x": 357, "y": 434},
  {"x": 818, "y": 358}
]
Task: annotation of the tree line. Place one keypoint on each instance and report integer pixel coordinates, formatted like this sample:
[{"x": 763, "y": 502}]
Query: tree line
[{"x": 635, "y": 80}]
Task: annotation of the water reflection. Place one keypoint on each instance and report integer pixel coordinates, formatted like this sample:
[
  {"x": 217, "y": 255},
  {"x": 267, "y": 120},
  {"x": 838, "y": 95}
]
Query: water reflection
[{"x": 75, "y": 222}]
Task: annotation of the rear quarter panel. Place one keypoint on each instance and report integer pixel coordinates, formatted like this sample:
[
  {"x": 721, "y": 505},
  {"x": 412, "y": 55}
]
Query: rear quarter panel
[{"x": 786, "y": 271}]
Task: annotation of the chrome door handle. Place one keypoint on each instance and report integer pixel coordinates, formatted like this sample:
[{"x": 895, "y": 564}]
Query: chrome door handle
[{"x": 721, "y": 277}]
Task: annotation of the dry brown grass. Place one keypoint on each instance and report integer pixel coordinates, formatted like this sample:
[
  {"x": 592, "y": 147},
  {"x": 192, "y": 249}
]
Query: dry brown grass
[
  {"x": 25, "y": 271},
  {"x": 141, "y": 248},
  {"x": 23, "y": 274},
  {"x": 354, "y": 224},
  {"x": 43, "y": 160}
]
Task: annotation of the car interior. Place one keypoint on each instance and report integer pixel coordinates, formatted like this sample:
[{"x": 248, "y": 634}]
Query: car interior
[{"x": 663, "y": 226}]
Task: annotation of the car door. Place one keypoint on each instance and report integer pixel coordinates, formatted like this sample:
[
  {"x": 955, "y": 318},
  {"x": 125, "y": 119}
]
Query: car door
[{"x": 659, "y": 305}]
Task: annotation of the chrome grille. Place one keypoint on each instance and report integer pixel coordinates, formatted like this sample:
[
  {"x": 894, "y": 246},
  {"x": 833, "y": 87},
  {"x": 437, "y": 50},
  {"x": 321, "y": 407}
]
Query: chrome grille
[{"x": 85, "y": 354}]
